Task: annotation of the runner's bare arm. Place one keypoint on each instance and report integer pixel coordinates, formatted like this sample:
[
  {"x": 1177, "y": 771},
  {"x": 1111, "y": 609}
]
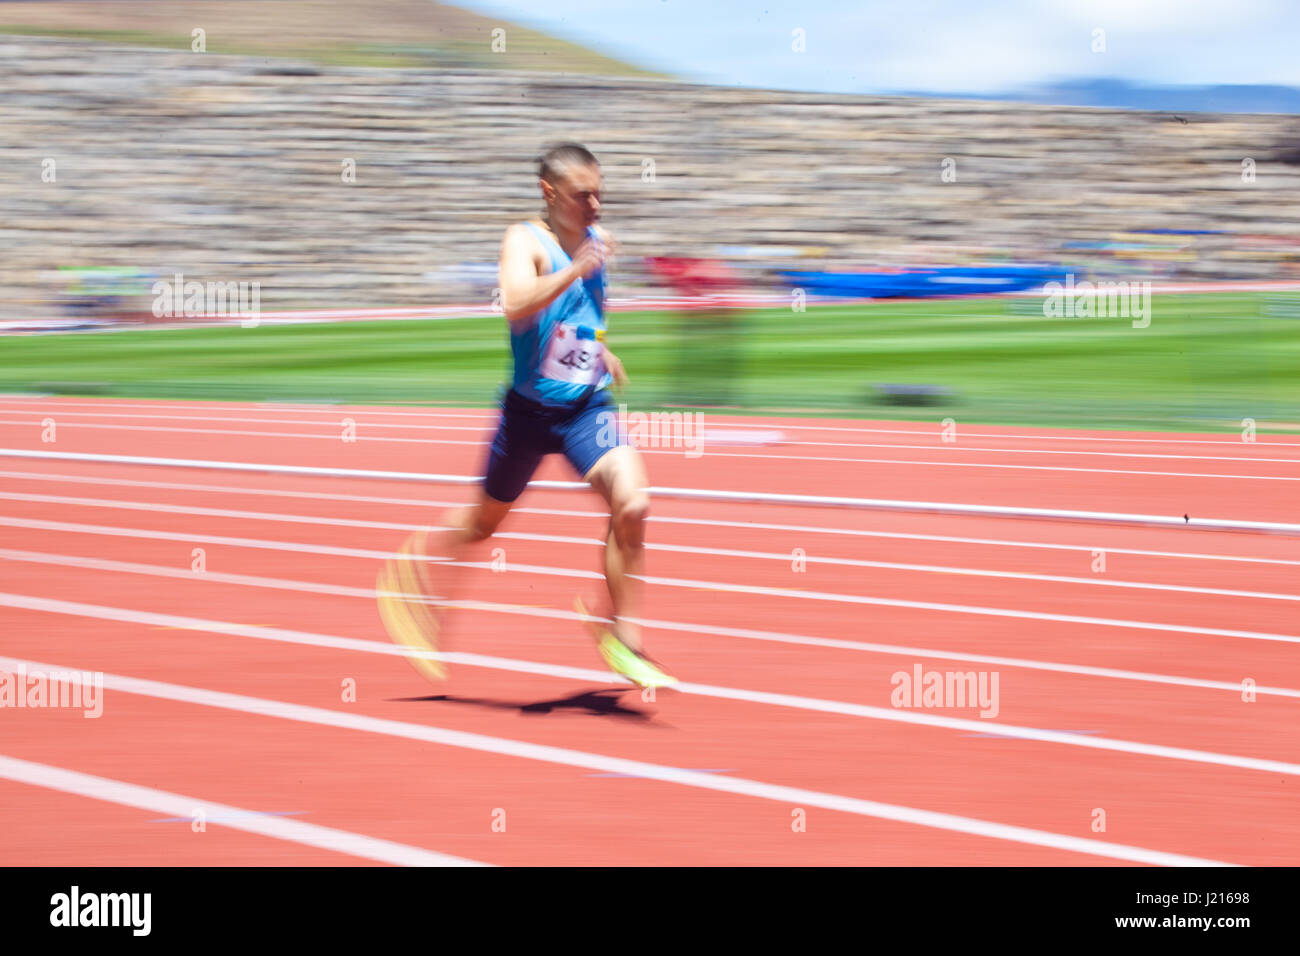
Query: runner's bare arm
[
  {"x": 614, "y": 365},
  {"x": 524, "y": 290},
  {"x": 612, "y": 362}
]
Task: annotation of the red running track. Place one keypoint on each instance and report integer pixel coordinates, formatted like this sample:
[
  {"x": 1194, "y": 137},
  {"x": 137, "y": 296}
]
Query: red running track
[{"x": 1119, "y": 652}]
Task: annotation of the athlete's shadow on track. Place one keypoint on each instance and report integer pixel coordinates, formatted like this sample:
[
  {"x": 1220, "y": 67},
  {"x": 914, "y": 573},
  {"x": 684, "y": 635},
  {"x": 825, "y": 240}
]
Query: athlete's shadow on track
[{"x": 600, "y": 702}]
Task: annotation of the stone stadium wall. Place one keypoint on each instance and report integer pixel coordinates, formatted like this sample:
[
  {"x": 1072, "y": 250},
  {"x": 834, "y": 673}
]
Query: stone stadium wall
[{"x": 228, "y": 168}]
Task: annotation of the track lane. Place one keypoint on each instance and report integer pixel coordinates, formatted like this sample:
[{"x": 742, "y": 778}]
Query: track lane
[
  {"x": 841, "y": 668},
  {"x": 918, "y": 763},
  {"x": 688, "y": 826},
  {"x": 1069, "y": 482}
]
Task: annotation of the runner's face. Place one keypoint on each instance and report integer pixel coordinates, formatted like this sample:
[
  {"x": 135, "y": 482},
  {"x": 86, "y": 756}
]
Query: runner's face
[{"x": 574, "y": 198}]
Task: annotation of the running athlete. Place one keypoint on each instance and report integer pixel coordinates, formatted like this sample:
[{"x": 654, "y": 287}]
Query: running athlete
[{"x": 552, "y": 282}]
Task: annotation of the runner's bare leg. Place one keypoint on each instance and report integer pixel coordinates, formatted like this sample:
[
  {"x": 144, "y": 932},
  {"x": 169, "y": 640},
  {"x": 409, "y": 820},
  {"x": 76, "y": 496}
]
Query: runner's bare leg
[
  {"x": 465, "y": 527},
  {"x": 619, "y": 477}
]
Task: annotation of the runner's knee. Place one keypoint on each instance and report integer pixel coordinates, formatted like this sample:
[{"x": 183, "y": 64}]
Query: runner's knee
[
  {"x": 629, "y": 519},
  {"x": 477, "y": 523}
]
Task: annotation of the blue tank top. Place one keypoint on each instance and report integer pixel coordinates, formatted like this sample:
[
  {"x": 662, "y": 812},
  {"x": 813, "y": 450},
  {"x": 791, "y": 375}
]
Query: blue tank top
[{"x": 581, "y": 305}]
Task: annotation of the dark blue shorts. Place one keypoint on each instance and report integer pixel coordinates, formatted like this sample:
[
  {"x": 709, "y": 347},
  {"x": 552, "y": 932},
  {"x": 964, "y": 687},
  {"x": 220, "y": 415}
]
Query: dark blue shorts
[{"x": 528, "y": 430}]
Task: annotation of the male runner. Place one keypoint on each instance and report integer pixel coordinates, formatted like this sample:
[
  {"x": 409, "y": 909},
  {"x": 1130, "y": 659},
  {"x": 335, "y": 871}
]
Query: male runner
[{"x": 552, "y": 281}]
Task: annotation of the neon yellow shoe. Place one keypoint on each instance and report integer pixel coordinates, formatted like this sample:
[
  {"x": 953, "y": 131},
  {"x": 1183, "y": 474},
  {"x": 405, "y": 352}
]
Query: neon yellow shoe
[
  {"x": 621, "y": 659},
  {"x": 409, "y": 621}
]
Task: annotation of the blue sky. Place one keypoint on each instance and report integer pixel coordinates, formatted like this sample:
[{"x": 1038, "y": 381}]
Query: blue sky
[{"x": 988, "y": 46}]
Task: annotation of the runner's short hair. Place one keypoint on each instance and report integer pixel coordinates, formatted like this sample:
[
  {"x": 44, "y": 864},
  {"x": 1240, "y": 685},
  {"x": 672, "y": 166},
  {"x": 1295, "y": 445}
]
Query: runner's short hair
[{"x": 557, "y": 159}]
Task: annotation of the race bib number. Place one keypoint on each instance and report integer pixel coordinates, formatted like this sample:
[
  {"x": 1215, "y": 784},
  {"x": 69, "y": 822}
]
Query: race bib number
[{"x": 574, "y": 355}]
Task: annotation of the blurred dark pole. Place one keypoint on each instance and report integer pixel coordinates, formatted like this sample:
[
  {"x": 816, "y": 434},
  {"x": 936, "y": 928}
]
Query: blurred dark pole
[{"x": 707, "y": 366}]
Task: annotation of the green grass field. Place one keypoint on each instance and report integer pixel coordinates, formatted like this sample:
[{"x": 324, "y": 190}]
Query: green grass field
[{"x": 1205, "y": 362}]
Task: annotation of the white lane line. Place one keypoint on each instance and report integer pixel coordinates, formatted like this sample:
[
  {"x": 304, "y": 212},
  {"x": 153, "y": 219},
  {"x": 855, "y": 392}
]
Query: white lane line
[
  {"x": 159, "y": 508},
  {"x": 318, "y": 521},
  {"x": 816, "y": 704},
  {"x": 661, "y": 519},
  {"x": 722, "y": 429},
  {"x": 702, "y": 494},
  {"x": 323, "y": 436},
  {"x": 959, "y": 447},
  {"x": 900, "y": 650},
  {"x": 151, "y": 535},
  {"x": 945, "y": 538},
  {"x": 777, "y": 422},
  {"x": 563, "y": 756},
  {"x": 287, "y": 584},
  {"x": 810, "y": 595},
  {"x": 260, "y": 467},
  {"x": 333, "y": 436},
  {"x": 222, "y": 814},
  {"x": 489, "y": 416},
  {"x": 967, "y": 464},
  {"x": 935, "y": 606},
  {"x": 331, "y": 408},
  {"x": 975, "y": 572},
  {"x": 336, "y": 418},
  {"x": 690, "y": 583}
]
